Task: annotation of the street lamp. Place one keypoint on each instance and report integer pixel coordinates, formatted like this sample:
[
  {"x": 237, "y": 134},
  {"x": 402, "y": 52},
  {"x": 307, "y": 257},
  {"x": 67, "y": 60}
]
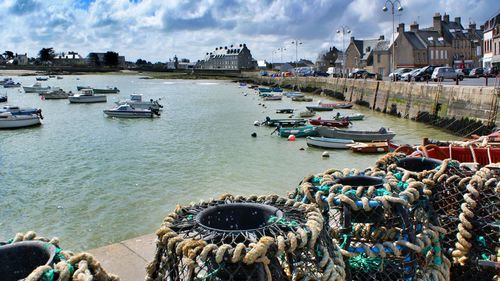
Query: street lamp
[
  {"x": 344, "y": 29},
  {"x": 281, "y": 50},
  {"x": 296, "y": 43},
  {"x": 400, "y": 8}
]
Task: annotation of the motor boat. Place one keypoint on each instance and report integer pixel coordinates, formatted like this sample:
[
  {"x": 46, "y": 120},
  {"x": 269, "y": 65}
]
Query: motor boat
[
  {"x": 11, "y": 121},
  {"x": 36, "y": 88},
  {"x": 136, "y": 102},
  {"x": 127, "y": 111},
  {"x": 86, "y": 96},
  {"x": 16, "y": 110},
  {"x": 55, "y": 94}
]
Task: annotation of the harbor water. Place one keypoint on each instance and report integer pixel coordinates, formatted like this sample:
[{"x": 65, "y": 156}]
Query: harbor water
[{"x": 92, "y": 180}]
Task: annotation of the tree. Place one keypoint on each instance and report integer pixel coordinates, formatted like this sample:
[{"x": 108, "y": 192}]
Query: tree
[
  {"x": 46, "y": 54},
  {"x": 141, "y": 62},
  {"x": 111, "y": 59},
  {"x": 93, "y": 59},
  {"x": 8, "y": 55}
]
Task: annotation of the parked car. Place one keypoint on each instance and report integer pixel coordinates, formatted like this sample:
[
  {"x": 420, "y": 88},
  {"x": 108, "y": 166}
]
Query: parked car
[
  {"x": 398, "y": 72},
  {"x": 492, "y": 71},
  {"x": 361, "y": 73},
  {"x": 425, "y": 73},
  {"x": 408, "y": 76},
  {"x": 442, "y": 73},
  {"x": 476, "y": 72},
  {"x": 321, "y": 73}
]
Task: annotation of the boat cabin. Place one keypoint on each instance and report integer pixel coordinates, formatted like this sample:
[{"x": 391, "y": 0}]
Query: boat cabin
[{"x": 136, "y": 97}]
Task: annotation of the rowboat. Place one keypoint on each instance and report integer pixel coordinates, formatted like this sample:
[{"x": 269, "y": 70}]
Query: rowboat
[
  {"x": 127, "y": 111},
  {"x": 369, "y": 136},
  {"x": 86, "y": 96},
  {"x": 318, "y": 108},
  {"x": 284, "y": 122},
  {"x": 294, "y": 95},
  {"x": 329, "y": 123},
  {"x": 273, "y": 97},
  {"x": 350, "y": 117},
  {"x": 344, "y": 105},
  {"x": 328, "y": 142},
  {"x": 285, "y": 110},
  {"x": 371, "y": 147},
  {"x": 11, "y": 121},
  {"x": 277, "y": 90},
  {"x": 264, "y": 90},
  {"x": 307, "y": 113},
  {"x": 302, "y": 99},
  {"x": 303, "y": 131}
]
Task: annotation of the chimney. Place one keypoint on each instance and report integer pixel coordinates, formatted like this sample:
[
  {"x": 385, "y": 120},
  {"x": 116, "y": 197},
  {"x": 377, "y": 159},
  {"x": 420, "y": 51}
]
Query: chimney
[
  {"x": 381, "y": 38},
  {"x": 446, "y": 18},
  {"x": 458, "y": 20},
  {"x": 481, "y": 27},
  {"x": 472, "y": 26},
  {"x": 352, "y": 38},
  {"x": 414, "y": 26},
  {"x": 436, "y": 22},
  {"x": 401, "y": 27}
]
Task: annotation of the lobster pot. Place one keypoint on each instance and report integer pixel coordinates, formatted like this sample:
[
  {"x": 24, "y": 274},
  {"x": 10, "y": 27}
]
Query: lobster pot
[
  {"x": 477, "y": 248},
  {"x": 19, "y": 259},
  {"x": 238, "y": 238}
]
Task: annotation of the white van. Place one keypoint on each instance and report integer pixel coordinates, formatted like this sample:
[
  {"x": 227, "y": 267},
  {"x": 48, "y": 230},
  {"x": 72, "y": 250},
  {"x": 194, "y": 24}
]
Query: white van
[{"x": 441, "y": 73}]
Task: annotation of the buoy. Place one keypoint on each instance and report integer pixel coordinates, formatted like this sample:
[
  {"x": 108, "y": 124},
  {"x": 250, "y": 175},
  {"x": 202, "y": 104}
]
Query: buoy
[
  {"x": 325, "y": 154},
  {"x": 301, "y": 148},
  {"x": 254, "y": 134},
  {"x": 256, "y": 123},
  {"x": 291, "y": 138}
]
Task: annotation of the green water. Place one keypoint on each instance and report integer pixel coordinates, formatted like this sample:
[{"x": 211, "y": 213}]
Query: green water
[{"x": 92, "y": 180}]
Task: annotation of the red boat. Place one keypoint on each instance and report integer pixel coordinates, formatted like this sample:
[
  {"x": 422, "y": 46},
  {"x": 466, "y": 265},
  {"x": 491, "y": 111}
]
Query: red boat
[{"x": 330, "y": 123}]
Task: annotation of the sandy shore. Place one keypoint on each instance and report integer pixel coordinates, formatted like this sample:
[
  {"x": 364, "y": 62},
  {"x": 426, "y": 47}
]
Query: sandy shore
[{"x": 17, "y": 72}]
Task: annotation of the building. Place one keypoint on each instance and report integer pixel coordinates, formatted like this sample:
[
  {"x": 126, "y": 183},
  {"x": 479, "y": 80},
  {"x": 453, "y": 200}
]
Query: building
[
  {"x": 70, "y": 58},
  {"x": 228, "y": 58},
  {"x": 491, "y": 39},
  {"x": 327, "y": 59},
  {"x": 19, "y": 59},
  {"x": 121, "y": 59},
  {"x": 360, "y": 54}
]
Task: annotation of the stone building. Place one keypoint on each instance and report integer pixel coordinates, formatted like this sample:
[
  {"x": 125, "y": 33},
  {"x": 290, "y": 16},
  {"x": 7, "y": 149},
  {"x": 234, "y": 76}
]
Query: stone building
[
  {"x": 491, "y": 41},
  {"x": 69, "y": 58},
  {"x": 369, "y": 54},
  {"x": 228, "y": 58}
]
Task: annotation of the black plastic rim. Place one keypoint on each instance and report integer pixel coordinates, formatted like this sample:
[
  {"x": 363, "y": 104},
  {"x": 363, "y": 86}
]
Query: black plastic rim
[
  {"x": 418, "y": 164},
  {"x": 238, "y": 217},
  {"x": 360, "y": 181},
  {"x": 19, "y": 259}
]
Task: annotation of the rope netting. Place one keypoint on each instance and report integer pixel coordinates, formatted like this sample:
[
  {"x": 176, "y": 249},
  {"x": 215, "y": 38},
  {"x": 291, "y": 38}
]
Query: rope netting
[
  {"x": 65, "y": 265},
  {"x": 371, "y": 217},
  {"x": 246, "y": 238}
]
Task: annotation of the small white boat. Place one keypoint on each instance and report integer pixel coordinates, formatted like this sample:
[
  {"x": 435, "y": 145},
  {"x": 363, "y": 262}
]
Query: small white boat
[
  {"x": 36, "y": 88},
  {"x": 136, "y": 102},
  {"x": 55, "y": 94},
  {"x": 127, "y": 111},
  {"x": 86, "y": 96},
  {"x": 11, "y": 121},
  {"x": 329, "y": 142}
]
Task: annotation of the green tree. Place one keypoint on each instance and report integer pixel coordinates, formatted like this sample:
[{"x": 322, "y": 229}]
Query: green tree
[
  {"x": 46, "y": 54},
  {"x": 93, "y": 59},
  {"x": 8, "y": 55},
  {"x": 111, "y": 59},
  {"x": 141, "y": 62}
]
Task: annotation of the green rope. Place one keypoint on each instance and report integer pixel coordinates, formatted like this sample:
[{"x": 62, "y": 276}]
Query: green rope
[
  {"x": 365, "y": 264},
  {"x": 481, "y": 241},
  {"x": 48, "y": 275},
  {"x": 398, "y": 176},
  {"x": 190, "y": 217},
  {"x": 209, "y": 274},
  {"x": 283, "y": 221},
  {"x": 344, "y": 237}
]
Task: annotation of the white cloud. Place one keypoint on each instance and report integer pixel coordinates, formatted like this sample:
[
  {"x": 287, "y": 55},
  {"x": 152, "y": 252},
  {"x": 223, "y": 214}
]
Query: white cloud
[{"x": 157, "y": 30}]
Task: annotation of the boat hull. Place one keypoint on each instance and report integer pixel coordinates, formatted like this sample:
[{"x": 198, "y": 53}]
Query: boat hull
[
  {"x": 328, "y": 142},
  {"x": 329, "y": 123},
  {"x": 128, "y": 114},
  {"x": 355, "y": 135},
  {"x": 86, "y": 99},
  {"x": 376, "y": 147},
  {"x": 19, "y": 121},
  {"x": 36, "y": 89},
  {"x": 319, "y": 108},
  {"x": 298, "y": 132},
  {"x": 305, "y": 99},
  {"x": 356, "y": 117},
  {"x": 105, "y": 91}
]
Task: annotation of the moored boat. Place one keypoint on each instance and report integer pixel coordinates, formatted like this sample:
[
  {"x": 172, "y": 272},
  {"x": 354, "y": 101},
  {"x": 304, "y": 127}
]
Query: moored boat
[
  {"x": 264, "y": 90},
  {"x": 370, "y": 147},
  {"x": 307, "y": 113},
  {"x": 290, "y": 122},
  {"x": 36, "y": 88},
  {"x": 107, "y": 90},
  {"x": 331, "y": 106},
  {"x": 273, "y": 97},
  {"x": 294, "y": 95},
  {"x": 16, "y": 110},
  {"x": 86, "y": 96},
  {"x": 303, "y": 131},
  {"x": 127, "y": 111},
  {"x": 329, "y": 123},
  {"x": 136, "y": 102},
  {"x": 11, "y": 121},
  {"x": 306, "y": 99},
  {"x": 266, "y": 94},
  {"x": 350, "y": 117},
  {"x": 277, "y": 90},
  {"x": 11, "y": 84},
  {"x": 318, "y": 108},
  {"x": 55, "y": 94},
  {"x": 284, "y": 110},
  {"x": 381, "y": 135},
  {"x": 3, "y": 98},
  {"x": 328, "y": 142},
  {"x": 42, "y": 78}
]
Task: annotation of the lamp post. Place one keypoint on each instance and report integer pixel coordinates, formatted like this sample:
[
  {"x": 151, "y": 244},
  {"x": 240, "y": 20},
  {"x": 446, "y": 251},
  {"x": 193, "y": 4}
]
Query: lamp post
[
  {"x": 385, "y": 9},
  {"x": 344, "y": 29},
  {"x": 296, "y": 43}
]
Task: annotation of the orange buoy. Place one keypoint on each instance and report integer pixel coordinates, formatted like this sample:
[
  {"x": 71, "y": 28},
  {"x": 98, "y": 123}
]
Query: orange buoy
[{"x": 291, "y": 138}]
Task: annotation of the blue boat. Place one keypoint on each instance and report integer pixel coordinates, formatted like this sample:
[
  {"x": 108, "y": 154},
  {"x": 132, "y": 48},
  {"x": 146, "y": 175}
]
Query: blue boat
[
  {"x": 277, "y": 90},
  {"x": 294, "y": 95},
  {"x": 265, "y": 90},
  {"x": 304, "y": 131}
]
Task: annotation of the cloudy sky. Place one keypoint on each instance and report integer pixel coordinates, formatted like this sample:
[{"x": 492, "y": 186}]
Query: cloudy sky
[{"x": 156, "y": 30}]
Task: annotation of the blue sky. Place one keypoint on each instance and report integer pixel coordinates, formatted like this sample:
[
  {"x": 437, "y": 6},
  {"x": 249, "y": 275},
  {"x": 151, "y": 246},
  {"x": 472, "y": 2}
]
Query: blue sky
[{"x": 156, "y": 30}]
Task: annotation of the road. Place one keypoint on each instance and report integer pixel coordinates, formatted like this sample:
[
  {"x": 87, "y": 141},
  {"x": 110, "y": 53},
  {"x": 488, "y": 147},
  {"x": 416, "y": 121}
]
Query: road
[{"x": 481, "y": 82}]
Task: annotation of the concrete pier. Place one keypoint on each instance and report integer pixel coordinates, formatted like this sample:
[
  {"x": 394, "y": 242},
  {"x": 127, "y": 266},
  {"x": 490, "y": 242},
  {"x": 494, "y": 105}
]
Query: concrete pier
[{"x": 127, "y": 259}]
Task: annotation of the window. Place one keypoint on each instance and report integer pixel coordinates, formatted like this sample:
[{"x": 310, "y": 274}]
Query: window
[
  {"x": 378, "y": 58},
  {"x": 445, "y": 54},
  {"x": 432, "y": 54},
  {"x": 442, "y": 55}
]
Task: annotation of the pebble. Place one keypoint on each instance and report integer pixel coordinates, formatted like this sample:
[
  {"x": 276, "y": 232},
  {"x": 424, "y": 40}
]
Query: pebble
[{"x": 325, "y": 154}]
